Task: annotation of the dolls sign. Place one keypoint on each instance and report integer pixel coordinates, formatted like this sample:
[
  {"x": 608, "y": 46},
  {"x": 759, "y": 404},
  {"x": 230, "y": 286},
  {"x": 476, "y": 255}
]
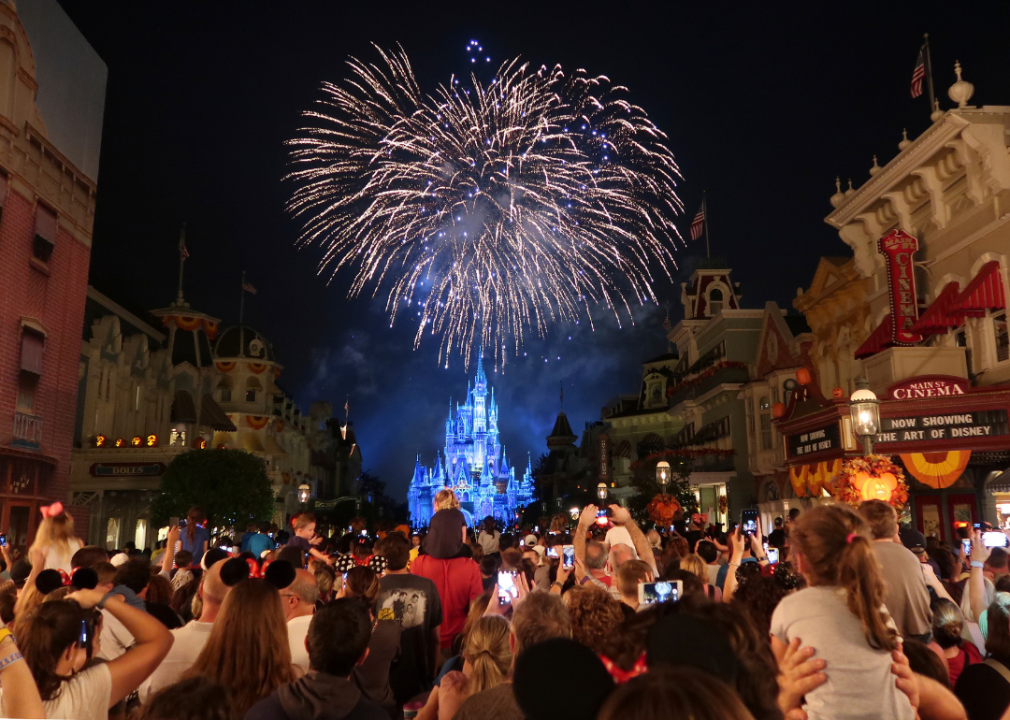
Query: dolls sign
[{"x": 898, "y": 247}]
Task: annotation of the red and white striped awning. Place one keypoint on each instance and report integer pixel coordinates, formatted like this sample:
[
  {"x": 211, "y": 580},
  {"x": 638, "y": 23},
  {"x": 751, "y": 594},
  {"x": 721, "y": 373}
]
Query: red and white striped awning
[
  {"x": 984, "y": 292},
  {"x": 882, "y": 337},
  {"x": 938, "y": 318}
]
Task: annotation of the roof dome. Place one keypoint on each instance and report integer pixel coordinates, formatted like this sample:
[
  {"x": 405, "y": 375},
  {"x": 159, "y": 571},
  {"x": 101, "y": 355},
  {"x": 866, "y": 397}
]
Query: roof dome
[{"x": 242, "y": 341}]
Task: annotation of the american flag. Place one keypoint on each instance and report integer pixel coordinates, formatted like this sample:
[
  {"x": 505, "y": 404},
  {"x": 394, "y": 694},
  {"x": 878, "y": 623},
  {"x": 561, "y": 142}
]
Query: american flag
[
  {"x": 918, "y": 74},
  {"x": 182, "y": 249},
  {"x": 248, "y": 287},
  {"x": 698, "y": 224}
]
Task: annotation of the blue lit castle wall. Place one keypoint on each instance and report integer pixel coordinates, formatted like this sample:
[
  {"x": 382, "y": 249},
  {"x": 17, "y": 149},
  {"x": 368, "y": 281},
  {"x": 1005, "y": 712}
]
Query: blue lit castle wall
[{"x": 473, "y": 464}]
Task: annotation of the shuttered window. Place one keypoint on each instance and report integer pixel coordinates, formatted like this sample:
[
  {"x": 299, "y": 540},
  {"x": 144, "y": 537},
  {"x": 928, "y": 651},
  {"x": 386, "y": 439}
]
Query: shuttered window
[{"x": 32, "y": 344}]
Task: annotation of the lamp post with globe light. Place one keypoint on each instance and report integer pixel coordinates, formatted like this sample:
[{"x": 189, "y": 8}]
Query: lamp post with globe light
[
  {"x": 864, "y": 409},
  {"x": 663, "y": 475},
  {"x": 303, "y": 494}
]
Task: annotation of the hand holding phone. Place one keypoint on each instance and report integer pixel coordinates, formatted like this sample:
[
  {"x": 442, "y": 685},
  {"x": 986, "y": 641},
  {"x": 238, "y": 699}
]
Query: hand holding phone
[
  {"x": 772, "y": 554},
  {"x": 748, "y": 523},
  {"x": 650, "y": 593},
  {"x": 3, "y": 540},
  {"x": 567, "y": 557},
  {"x": 552, "y": 552},
  {"x": 507, "y": 590}
]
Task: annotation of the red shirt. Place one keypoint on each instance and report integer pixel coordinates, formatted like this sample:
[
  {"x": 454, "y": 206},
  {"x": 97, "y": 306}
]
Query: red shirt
[
  {"x": 969, "y": 655},
  {"x": 458, "y": 582}
]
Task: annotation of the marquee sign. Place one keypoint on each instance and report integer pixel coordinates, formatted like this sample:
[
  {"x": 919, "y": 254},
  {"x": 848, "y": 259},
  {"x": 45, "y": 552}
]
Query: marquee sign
[
  {"x": 929, "y": 386},
  {"x": 898, "y": 247},
  {"x": 815, "y": 441},
  {"x": 124, "y": 469},
  {"x": 945, "y": 426}
]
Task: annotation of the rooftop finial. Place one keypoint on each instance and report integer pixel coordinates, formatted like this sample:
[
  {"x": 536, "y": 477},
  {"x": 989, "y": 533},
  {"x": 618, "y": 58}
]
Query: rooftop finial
[
  {"x": 875, "y": 168},
  {"x": 962, "y": 90},
  {"x": 850, "y": 192},
  {"x": 905, "y": 142},
  {"x": 183, "y": 254},
  {"x": 839, "y": 197}
]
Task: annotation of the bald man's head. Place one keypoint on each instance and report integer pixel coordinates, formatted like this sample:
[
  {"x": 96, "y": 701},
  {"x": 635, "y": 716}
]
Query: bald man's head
[
  {"x": 212, "y": 588},
  {"x": 304, "y": 587},
  {"x": 620, "y": 554}
]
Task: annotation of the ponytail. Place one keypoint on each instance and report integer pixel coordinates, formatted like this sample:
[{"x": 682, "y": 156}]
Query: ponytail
[
  {"x": 834, "y": 542},
  {"x": 487, "y": 650},
  {"x": 859, "y": 574}
]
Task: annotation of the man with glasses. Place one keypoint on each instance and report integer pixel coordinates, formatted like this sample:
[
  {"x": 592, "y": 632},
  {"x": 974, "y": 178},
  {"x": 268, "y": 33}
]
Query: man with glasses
[{"x": 299, "y": 600}]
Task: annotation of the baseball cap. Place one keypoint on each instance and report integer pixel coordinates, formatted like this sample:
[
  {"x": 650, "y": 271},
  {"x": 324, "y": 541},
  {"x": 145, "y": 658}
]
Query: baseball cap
[{"x": 531, "y": 539}]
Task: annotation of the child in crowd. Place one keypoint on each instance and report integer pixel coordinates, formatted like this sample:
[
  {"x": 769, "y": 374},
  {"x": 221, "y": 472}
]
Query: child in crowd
[
  {"x": 183, "y": 569},
  {"x": 841, "y": 615},
  {"x": 304, "y": 525},
  {"x": 55, "y": 537}
]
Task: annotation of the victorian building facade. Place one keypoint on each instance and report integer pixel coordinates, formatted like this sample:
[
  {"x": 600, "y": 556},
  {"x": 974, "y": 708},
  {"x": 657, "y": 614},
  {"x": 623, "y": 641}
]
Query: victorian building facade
[{"x": 48, "y": 182}]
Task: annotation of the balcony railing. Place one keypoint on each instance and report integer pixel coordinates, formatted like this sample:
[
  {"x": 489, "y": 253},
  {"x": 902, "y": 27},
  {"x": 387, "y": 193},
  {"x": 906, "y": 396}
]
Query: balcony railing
[{"x": 27, "y": 430}]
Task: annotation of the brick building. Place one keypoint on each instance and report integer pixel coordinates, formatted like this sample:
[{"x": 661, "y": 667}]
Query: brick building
[{"x": 49, "y": 140}]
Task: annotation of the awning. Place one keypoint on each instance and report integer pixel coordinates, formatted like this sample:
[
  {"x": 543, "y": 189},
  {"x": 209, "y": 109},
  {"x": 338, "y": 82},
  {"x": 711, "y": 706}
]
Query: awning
[
  {"x": 251, "y": 442},
  {"x": 1000, "y": 483},
  {"x": 984, "y": 292},
  {"x": 273, "y": 447},
  {"x": 213, "y": 416},
  {"x": 938, "y": 318},
  {"x": 623, "y": 449},
  {"x": 222, "y": 438},
  {"x": 882, "y": 337},
  {"x": 183, "y": 409},
  {"x": 45, "y": 223},
  {"x": 653, "y": 438}
]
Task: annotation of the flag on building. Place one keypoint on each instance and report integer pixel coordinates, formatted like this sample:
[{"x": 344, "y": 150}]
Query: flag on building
[
  {"x": 248, "y": 287},
  {"x": 918, "y": 74},
  {"x": 182, "y": 243},
  {"x": 698, "y": 224}
]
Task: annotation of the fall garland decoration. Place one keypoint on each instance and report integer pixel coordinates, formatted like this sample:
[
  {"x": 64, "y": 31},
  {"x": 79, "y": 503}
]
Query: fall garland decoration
[
  {"x": 873, "y": 477},
  {"x": 664, "y": 509},
  {"x": 703, "y": 375}
]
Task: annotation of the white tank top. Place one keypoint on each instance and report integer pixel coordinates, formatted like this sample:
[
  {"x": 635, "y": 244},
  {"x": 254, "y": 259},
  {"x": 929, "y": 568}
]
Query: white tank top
[{"x": 58, "y": 557}]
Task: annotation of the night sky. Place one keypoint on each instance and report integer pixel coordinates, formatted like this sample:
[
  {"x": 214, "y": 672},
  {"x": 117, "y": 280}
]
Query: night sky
[{"x": 763, "y": 106}]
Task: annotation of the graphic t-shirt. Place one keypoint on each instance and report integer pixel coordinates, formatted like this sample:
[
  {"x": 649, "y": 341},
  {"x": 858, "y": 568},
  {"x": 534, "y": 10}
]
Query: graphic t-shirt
[{"x": 414, "y": 603}]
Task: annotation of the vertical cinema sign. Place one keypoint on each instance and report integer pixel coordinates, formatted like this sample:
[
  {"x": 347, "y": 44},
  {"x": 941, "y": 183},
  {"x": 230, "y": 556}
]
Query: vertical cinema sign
[{"x": 899, "y": 247}]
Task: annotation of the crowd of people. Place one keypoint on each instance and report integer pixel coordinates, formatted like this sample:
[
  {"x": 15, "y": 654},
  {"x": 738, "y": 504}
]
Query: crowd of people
[{"x": 853, "y": 617}]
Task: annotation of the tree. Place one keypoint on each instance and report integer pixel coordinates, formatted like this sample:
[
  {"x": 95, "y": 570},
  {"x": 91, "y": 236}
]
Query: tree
[
  {"x": 230, "y": 486},
  {"x": 679, "y": 485}
]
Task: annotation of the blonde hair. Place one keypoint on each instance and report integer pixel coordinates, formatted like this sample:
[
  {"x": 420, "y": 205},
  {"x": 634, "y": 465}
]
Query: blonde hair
[
  {"x": 487, "y": 651},
  {"x": 693, "y": 563},
  {"x": 54, "y": 532},
  {"x": 251, "y": 659},
  {"x": 837, "y": 552},
  {"x": 446, "y": 500}
]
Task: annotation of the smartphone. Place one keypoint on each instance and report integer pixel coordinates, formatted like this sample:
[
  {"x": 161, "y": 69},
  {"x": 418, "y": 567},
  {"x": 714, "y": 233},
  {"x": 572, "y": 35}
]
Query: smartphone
[
  {"x": 3, "y": 540},
  {"x": 85, "y": 638},
  {"x": 966, "y": 547},
  {"x": 977, "y": 526},
  {"x": 748, "y": 523},
  {"x": 552, "y": 552},
  {"x": 995, "y": 539},
  {"x": 173, "y": 521},
  {"x": 567, "y": 557},
  {"x": 650, "y": 593},
  {"x": 772, "y": 554},
  {"x": 522, "y": 542},
  {"x": 601, "y": 516},
  {"x": 507, "y": 587},
  {"x": 345, "y": 577}
]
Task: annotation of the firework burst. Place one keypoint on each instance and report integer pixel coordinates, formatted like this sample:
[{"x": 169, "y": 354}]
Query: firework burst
[{"x": 490, "y": 210}]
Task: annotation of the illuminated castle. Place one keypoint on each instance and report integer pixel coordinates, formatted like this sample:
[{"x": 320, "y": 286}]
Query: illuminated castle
[{"x": 473, "y": 464}]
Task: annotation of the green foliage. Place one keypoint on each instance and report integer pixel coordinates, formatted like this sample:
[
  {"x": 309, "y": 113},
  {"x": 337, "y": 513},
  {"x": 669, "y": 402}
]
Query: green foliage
[
  {"x": 679, "y": 486},
  {"x": 231, "y": 486}
]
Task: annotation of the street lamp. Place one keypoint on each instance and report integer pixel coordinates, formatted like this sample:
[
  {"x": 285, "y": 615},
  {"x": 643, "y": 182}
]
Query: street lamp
[
  {"x": 303, "y": 493},
  {"x": 662, "y": 475},
  {"x": 601, "y": 492},
  {"x": 864, "y": 408}
]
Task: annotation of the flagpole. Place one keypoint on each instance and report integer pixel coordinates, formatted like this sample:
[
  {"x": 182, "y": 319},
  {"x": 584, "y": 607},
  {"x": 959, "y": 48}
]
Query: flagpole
[
  {"x": 241, "y": 302},
  {"x": 929, "y": 77},
  {"x": 182, "y": 260},
  {"x": 704, "y": 205}
]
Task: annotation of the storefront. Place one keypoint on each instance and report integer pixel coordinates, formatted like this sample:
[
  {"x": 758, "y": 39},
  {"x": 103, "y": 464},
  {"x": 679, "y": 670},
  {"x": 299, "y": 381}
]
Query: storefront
[{"x": 952, "y": 440}]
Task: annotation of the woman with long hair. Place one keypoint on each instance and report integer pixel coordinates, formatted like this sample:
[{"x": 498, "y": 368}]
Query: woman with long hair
[
  {"x": 196, "y": 537},
  {"x": 55, "y": 538},
  {"x": 247, "y": 651},
  {"x": 487, "y": 661},
  {"x": 58, "y": 639},
  {"x": 693, "y": 564},
  {"x": 948, "y": 623},
  {"x": 372, "y": 676},
  {"x": 841, "y": 615}
]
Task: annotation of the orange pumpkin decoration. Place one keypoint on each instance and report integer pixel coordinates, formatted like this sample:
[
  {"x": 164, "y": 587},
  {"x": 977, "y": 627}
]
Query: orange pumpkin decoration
[
  {"x": 876, "y": 488},
  {"x": 803, "y": 376},
  {"x": 837, "y": 393},
  {"x": 778, "y": 410}
]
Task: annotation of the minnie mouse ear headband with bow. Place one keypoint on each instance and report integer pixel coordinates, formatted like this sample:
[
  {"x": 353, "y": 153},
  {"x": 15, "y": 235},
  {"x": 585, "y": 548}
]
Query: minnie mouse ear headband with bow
[{"x": 49, "y": 580}]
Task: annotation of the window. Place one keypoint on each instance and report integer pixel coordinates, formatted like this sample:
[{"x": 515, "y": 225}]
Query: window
[
  {"x": 764, "y": 403},
  {"x": 226, "y": 394},
  {"x": 250, "y": 395},
  {"x": 28, "y": 388},
  {"x": 766, "y": 431},
  {"x": 112, "y": 533},
  {"x": 45, "y": 234},
  {"x": 961, "y": 340},
  {"x": 715, "y": 301},
  {"x": 999, "y": 326}
]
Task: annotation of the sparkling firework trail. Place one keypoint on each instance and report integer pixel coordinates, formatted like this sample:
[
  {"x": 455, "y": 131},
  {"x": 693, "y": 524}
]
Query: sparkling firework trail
[{"x": 490, "y": 210}]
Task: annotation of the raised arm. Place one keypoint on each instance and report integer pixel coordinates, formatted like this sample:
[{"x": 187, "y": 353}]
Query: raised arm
[
  {"x": 586, "y": 519},
  {"x": 153, "y": 641},
  {"x": 976, "y": 582},
  {"x": 736, "y": 543},
  {"x": 621, "y": 516},
  {"x": 21, "y": 696},
  {"x": 169, "y": 560}
]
